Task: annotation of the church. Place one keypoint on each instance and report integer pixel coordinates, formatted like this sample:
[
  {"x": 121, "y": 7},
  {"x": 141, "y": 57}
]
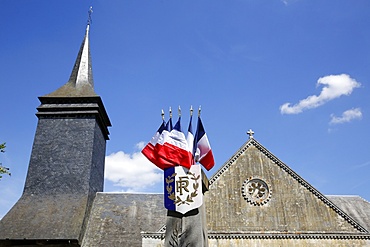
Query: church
[{"x": 254, "y": 199}]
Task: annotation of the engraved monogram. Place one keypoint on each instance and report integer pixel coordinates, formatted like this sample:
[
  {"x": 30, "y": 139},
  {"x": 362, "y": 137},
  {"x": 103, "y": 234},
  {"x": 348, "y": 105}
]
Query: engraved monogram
[{"x": 186, "y": 188}]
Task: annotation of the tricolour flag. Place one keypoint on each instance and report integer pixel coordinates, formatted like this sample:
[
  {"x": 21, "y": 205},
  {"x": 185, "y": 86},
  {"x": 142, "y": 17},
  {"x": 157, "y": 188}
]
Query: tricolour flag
[
  {"x": 190, "y": 139},
  {"x": 202, "y": 149},
  {"x": 174, "y": 147},
  {"x": 183, "y": 188},
  {"x": 150, "y": 150}
]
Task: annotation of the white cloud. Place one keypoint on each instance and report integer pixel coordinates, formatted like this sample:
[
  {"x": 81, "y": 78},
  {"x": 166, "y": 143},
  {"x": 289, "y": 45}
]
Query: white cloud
[
  {"x": 347, "y": 116},
  {"x": 367, "y": 163},
  {"x": 288, "y": 2},
  {"x": 334, "y": 86},
  {"x": 140, "y": 145},
  {"x": 132, "y": 172}
]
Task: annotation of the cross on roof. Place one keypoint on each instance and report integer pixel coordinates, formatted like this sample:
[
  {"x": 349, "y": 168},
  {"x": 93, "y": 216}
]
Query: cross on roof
[
  {"x": 89, "y": 20},
  {"x": 250, "y": 133}
]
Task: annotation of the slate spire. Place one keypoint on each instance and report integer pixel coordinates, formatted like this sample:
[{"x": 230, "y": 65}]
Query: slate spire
[{"x": 81, "y": 81}]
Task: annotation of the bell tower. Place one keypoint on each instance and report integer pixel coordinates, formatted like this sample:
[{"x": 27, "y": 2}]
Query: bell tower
[{"x": 66, "y": 167}]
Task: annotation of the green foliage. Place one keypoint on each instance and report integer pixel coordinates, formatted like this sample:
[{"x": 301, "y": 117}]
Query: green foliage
[
  {"x": 3, "y": 170},
  {"x": 2, "y": 147}
]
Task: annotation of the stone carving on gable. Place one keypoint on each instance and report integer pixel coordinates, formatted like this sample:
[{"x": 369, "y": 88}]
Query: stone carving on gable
[{"x": 256, "y": 191}]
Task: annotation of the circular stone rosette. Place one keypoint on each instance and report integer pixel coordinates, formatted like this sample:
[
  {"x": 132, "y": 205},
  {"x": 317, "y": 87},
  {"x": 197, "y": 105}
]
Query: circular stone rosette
[{"x": 256, "y": 191}]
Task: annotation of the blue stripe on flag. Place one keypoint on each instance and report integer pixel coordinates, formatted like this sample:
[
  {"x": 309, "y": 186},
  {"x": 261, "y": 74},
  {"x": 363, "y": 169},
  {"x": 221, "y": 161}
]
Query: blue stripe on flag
[
  {"x": 199, "y": 133},
  {"x": 169, "y": 188}
]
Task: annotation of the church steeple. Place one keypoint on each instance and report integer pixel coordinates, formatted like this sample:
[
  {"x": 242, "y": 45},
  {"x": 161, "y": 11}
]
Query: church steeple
[
  {"x": 82, "y": 71},
  {"x": 66, "y": 167},
  {"x": 81, "y": 81}
]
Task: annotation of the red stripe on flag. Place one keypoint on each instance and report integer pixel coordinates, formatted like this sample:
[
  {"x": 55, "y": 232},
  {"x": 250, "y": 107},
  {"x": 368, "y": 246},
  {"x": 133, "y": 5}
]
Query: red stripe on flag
[
  {"x": 207, "y": 160},
  {"x": 175, "y": 155}
]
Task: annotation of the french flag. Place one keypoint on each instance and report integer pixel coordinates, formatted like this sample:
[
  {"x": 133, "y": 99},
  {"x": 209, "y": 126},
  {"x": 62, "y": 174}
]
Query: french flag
[
  {"x": 202, "y": 149},
  {"x": 174, "y": 147},
  {"x": 190, "y": 139},
  {"x": 150, "y": 150}
]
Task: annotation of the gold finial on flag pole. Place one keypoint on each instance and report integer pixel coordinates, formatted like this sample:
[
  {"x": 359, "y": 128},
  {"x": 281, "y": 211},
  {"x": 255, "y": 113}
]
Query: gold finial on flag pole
[
  {"x": 162, "y": 113},
  {"x": 191, "y": 110},
  {"x": 199, "y": 109}
]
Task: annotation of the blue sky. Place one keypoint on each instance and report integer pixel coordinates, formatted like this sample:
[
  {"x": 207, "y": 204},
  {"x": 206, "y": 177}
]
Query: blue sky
[{"x": 296, "y": 72}]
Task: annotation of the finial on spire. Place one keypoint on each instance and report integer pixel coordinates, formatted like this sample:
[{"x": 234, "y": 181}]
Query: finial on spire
[
  {"x": 250, "y": 132},
  {"x": 162, "y": 114},
  {"x": 170, "y": 112},
  {"x": 199, "y": 110},
  {"x": 191, "y": 110},
  {"x": 89, "y": 19},
  {"x": 179, "y": 111}
]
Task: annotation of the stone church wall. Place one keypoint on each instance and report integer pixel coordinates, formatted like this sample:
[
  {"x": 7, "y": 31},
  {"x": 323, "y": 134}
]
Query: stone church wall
[
  {"x": 253, "y": 242},
  {"x": 288, "y": 242}
]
